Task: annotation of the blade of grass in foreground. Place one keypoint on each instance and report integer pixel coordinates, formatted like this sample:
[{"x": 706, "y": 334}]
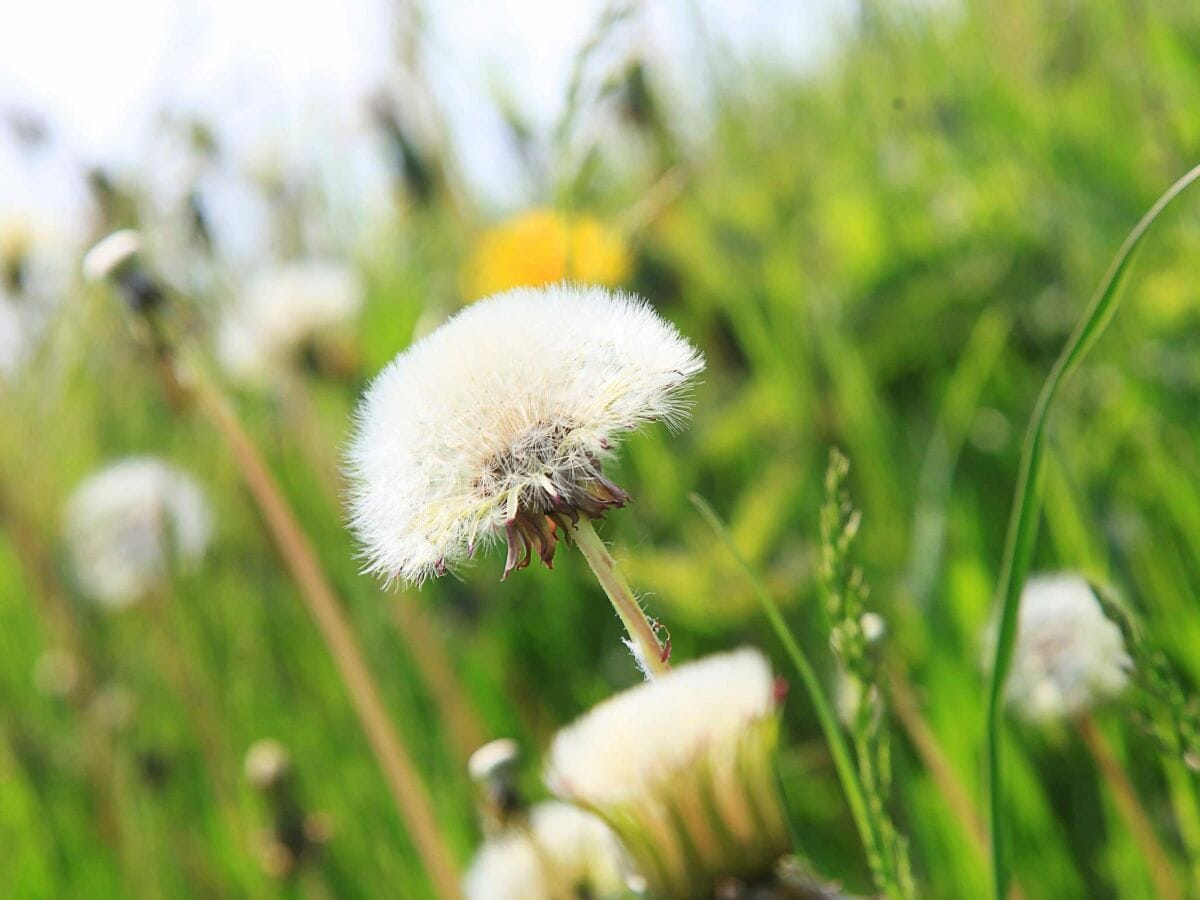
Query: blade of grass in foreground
[
  {"x": 1023, "y": 521},
  {"x": 838, "y": 750}
]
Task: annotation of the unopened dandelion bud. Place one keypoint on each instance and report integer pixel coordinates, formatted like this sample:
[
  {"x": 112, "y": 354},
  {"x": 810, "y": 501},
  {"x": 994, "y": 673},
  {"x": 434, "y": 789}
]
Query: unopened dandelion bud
[
  {"x": 497, "y": 424},
  {"x": 128, "y": 525},
  {"x": 1068, "y": 656},
  {"x": 267, "y": 764},
  {"x": 682, "y": 768}
]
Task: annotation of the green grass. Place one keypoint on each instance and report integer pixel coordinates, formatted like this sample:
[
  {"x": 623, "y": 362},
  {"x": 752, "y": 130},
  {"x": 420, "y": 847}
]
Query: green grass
[{"x": 887, "y": 257}]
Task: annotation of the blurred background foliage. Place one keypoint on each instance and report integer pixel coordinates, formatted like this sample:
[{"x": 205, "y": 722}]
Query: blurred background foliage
[{"x": 883, "y": 256}]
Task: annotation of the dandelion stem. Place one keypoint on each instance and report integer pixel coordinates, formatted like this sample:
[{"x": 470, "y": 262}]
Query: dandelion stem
[
  {"x": 294, "y": 546},
  {"x": 643, "y": 640},
  {"x": 1125, "y": 796}
]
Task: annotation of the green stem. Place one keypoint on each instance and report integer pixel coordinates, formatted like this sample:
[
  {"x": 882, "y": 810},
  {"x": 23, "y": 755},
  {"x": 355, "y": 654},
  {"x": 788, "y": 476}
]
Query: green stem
[
  {"x": 1023, "y": 522},
  {"x": 838, "y": 750},
  {"x": 643, "y": 639}
]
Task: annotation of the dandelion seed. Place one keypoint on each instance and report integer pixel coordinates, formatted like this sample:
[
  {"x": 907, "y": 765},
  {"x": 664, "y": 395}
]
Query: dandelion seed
[
  {"x": 1068, "y": 656},
  {"x": 683, "y": 770},
  {"x": 286, "y": 312},
  {"x": 127, "y": 525},
  {"x": 564, "y": 853},
  {"x": 497, "y": 423}
]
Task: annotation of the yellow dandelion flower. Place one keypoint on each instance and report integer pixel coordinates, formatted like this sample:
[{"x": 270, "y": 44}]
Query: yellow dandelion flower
[{"x": 541, "y": 246}]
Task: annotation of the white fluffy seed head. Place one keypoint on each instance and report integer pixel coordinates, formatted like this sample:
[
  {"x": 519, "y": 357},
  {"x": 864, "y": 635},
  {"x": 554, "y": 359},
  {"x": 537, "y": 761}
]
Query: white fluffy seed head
[
  {"x": 510, "y": 406},
  {"x": 1068, "y": 655},
  {"x": 283, "y": 309},
  {"x": 128, "y": 524},
  {"x": 685, "y": 761},
  {"x": 565, "y": 852},
  {"x": 110, "y": 254}
]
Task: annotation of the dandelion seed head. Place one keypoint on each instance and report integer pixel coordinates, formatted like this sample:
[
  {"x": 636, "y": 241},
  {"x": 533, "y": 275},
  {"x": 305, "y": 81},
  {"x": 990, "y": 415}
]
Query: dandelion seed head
[
  {"x": 564, "y": 852},
  {"x": 686, "y": 760},
  {"x": 506, "y": 868},
  {"x": 1068, "y": 655},
  {"x": 497, "y": 423},
  {"x": 282, "y": 311},
  {"x": 674, "y": 718},
  {"x": 129, "y": 523}
]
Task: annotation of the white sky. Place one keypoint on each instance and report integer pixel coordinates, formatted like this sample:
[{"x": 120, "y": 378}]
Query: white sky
[{"x": 289, "y": 77}]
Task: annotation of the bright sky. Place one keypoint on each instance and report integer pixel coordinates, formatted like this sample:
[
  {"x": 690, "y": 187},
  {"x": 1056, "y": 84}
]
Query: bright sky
[{"x": 287, "y": 78}]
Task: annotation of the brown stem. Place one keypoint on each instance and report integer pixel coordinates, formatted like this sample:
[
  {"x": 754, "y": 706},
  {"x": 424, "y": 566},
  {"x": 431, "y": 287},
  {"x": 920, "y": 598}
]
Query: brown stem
[
  {"x": 428, "y": 651},
  {"x": 294, "y": 546},
  {"x": 416, "y": 630},
  {"x": 650, "y": 654},
  {"x": 1125, "y": 796}
]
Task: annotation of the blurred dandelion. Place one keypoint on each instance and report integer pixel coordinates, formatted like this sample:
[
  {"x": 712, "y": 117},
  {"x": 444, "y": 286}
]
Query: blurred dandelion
[
  {"x": 498, "y": 423},
  {"x": 542, "y": 246},
  {"x": 293, "y": 313},
  {"x": 553, "y": 852},
  {"x": 564, "y": 853},
  {"x": 128, "y": 525},
  {"x": 683, "y": 768},
  {"x": 1068, "y": 656}
]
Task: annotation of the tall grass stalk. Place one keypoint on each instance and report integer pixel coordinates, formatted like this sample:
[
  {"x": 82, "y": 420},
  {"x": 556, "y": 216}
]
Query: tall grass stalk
[
  {"x": 843, "y": 761},
  {"x": 1162, "y": 873},
  {"x": 410, "y": 794},
  {"x": 1023, "y": 521},
  {"x": 414, "y": 627}
]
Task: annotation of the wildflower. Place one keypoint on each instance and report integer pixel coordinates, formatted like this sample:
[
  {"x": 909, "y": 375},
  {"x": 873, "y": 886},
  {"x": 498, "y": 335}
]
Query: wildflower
[
  {"x": 286, "y": 312},
  {"x": 498, "y": 423},
  {"x": 683, "y": 770},
  {"x": 542, "y": 246},
  {"x": 563, "y": 854},
  {"x": 1068, "y": 656},
  {"x": 128, "y": 524}
]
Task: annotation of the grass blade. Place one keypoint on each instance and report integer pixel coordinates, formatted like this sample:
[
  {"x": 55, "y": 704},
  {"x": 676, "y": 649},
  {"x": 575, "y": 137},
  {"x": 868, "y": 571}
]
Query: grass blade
[
  {"x": 1023, "y": 520},
  {"x": 842, "y": 761}
]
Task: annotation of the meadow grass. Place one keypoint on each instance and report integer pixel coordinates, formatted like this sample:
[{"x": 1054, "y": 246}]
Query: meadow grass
[{"x": 884, "y": 256}]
